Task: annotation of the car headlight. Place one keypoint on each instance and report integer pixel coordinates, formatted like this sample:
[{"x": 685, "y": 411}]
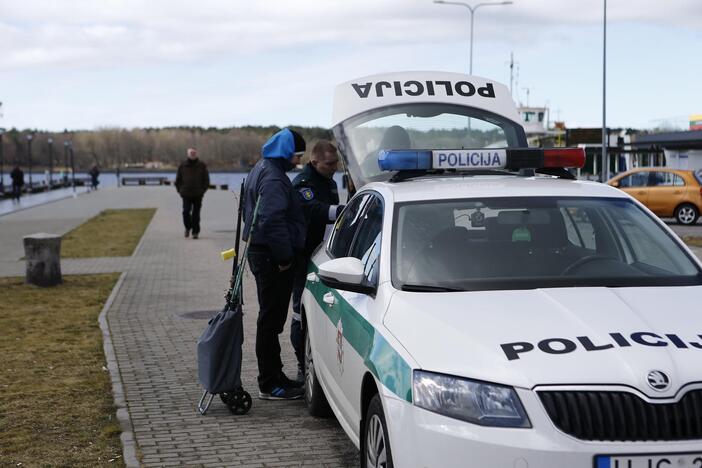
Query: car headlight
[{"x": 469, "y": 400}]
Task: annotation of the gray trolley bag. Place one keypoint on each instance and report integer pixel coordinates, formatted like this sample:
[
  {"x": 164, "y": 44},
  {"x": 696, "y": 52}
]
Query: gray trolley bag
[{"x": 219, "y": 347}]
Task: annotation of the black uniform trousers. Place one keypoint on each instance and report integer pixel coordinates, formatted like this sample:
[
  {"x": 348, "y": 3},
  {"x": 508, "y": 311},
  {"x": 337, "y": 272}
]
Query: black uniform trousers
[
  {"x": 274, "y": 288},
  {"x": 191, "y": 213}
]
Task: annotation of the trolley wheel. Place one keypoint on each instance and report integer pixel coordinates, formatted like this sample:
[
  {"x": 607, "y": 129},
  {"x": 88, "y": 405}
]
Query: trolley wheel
[{"x": 239, "y": 401}]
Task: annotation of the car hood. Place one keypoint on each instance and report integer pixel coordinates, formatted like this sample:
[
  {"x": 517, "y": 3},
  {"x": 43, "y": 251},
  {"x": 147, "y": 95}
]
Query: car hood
[{"x": 563, "y": 336}]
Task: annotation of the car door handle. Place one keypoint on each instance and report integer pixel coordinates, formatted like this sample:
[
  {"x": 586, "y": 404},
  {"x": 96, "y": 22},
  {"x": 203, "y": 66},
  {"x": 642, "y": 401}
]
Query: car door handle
[
  {"x": 313, "y": 277},
  {"x": 329, "y": 299},
  {"x": 642, "y": 192}
]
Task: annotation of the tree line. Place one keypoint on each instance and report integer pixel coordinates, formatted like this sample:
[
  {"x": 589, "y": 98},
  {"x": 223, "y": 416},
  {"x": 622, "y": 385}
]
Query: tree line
[{"x": 224, "y": 149}]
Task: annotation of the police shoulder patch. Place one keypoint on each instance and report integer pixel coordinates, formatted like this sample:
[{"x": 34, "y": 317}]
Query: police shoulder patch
[{"x": 307, "y": 193}]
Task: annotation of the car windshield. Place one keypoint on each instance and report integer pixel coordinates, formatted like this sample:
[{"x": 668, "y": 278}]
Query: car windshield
[
  {"x": 534, "y": 242},
  {"x": 419, "y": 126}
]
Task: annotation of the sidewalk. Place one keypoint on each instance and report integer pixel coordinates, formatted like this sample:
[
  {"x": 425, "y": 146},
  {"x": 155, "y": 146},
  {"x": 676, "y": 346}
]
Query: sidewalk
[{"x": 154, "y": 339}]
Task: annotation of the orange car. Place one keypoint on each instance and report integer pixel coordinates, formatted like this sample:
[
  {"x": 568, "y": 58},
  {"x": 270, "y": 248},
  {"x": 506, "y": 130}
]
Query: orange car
[{"x": 666, "y": 192}]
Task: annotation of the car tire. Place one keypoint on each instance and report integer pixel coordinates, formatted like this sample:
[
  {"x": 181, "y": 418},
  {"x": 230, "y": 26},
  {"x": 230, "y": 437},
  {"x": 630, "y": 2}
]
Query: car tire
[
  {"x": 317, "y": 404},
  {"x": 375, "y": 446},
  {"x": 687, "y": 214}
]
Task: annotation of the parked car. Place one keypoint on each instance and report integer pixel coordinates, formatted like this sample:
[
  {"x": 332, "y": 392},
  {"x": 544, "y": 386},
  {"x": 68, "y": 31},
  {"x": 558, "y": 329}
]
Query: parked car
[{"x": 666, "y": 192}]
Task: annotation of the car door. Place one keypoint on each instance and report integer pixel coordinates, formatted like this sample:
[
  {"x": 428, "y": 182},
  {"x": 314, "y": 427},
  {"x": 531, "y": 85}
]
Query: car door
[
  {"x": 666, "y": 191},
  {"x": 328, "y": 303},
  {"x": 357, "y": 325},
  {"x": 636, "y": 185}
]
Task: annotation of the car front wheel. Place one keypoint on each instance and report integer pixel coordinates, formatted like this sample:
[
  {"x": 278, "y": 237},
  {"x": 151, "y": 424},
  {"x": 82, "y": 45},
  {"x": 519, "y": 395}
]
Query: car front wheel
[
  {"x": 376, "y": 442},
  {"x": 686, "y": 214},
  {"x": 317, "y": 404}
]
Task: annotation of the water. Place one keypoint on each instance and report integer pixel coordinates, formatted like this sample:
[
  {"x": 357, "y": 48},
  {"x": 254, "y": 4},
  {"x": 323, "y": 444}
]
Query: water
[{"x": 108, "y": 179}]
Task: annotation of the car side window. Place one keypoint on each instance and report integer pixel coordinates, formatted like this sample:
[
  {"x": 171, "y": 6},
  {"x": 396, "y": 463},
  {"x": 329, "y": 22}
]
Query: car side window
[
  {"x": 666, "y": 179},
  {"x": 345, "y": 227},
  {"x": 637, "y": 179},
  {"x": 366, "y": 245},
  {"x": 579, "y": 228}
]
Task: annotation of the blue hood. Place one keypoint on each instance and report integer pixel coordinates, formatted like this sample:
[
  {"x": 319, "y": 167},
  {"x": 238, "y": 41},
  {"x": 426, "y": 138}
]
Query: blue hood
[{"x": 280, "y": 145}]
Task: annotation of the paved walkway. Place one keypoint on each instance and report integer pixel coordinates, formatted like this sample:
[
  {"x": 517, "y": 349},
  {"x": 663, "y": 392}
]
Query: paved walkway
[
  {"x": 165, "y": 283},
  {"x": 167, "y": 279}
]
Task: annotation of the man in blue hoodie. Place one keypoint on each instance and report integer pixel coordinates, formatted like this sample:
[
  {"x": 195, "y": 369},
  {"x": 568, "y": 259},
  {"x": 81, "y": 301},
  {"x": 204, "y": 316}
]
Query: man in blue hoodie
[{"x": 274, "y": 242}]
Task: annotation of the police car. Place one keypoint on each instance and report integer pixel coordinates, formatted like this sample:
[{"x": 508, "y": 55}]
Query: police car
[{"x": 475, "y": 306}]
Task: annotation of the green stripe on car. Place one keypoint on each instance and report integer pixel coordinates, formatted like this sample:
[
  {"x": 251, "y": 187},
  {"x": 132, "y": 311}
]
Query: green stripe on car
[{"x": 379, "y": 356}]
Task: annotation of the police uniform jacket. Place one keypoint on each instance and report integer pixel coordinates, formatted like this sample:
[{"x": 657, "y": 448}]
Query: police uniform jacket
[
  {"x": 317, "y": 194},
  {"x": 280, "y": 226}
]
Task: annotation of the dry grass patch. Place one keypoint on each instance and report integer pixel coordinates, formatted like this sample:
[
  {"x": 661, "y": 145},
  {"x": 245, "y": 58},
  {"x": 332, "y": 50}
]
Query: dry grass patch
[
  {"x": 112, "y": 233},
  {"x": 56, "y": 406},
  {"x": 693, "y": 241}
]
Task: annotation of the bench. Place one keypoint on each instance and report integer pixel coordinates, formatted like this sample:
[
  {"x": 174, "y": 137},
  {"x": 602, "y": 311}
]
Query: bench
[{"x": 145, "y": 180}]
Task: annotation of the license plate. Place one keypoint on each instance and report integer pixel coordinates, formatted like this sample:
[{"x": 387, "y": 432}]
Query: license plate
[
  {"x": 670, "y": 460},
  {"x": 469, "y": 159}
]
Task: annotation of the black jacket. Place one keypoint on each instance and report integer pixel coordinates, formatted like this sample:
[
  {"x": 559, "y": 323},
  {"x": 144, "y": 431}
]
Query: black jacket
[
  {"x": 317, "y": 194},
  {"x": 193, "y": 179},
  {"x": 280, "y": 227},
  {"x": 17, "y": 176}
]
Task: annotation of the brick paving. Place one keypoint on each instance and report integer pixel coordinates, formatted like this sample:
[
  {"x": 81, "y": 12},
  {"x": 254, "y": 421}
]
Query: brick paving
[{"x": 155, "y": 342}]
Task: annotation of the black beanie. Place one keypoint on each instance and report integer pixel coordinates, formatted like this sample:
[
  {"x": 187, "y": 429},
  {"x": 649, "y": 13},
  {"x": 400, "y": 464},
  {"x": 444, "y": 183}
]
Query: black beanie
[{"x": 299, "y": 142}]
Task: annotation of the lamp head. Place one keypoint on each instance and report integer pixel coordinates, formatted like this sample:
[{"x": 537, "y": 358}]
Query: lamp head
[
  {"x": 50, "y": 141},
  {"x": 29, "y": 137}
]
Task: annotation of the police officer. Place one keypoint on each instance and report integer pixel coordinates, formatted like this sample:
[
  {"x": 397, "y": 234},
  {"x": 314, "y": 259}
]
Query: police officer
[
  {"x": 276, "y": 240},
  {"x": 320, "y": 201}
]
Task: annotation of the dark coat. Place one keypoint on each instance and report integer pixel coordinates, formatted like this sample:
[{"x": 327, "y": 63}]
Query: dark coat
[
  {"x": 17, "y": 176},
  {"x": 317, "y": 194},
  {"x": 193, "y": 179},
  {"x": 280, "y": 227}
]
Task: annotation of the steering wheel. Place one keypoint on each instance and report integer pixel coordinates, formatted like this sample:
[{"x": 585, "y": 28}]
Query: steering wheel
[{"x": 584, "y": 261}]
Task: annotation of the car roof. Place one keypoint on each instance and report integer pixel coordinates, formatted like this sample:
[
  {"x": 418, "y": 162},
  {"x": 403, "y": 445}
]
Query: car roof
[
  {"x": 446, "y": 188},
  {"x": 656, "y": 168}
]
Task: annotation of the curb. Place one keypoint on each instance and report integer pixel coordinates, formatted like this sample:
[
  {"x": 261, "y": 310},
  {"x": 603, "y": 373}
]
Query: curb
[{"x": 129, "y": 452}]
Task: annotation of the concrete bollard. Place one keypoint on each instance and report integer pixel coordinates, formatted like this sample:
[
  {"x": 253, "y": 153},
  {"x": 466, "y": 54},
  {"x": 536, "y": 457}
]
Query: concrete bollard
[{"x": 43, "y": 254}]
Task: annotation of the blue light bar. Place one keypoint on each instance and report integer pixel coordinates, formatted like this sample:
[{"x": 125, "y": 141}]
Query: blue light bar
[{"x": 403, "y": 160}]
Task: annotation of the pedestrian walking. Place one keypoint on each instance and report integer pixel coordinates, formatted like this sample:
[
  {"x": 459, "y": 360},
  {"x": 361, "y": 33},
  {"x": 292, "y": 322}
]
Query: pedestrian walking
[
  {"x": 320, "y": 202},
  {"x": 192, "y": 181},
  {"x": 279, "y": 236},
  {"x": 17, "y": 176},
  {"x": 94, "y": 174}
]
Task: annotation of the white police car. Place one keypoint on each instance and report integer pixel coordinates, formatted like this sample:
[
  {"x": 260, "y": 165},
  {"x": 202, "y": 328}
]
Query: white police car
[{"x": 467, "y": 312}]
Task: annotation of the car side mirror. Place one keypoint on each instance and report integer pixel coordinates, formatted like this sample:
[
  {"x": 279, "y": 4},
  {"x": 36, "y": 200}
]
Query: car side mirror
[{"x": 344, "y": 273}]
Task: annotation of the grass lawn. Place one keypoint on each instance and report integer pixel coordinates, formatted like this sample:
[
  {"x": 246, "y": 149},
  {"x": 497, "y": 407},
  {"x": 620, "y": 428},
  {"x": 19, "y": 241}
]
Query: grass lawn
[
  {"x": 56, "y": 406},
  {"x": 693, "y": 241},
  {"x": 112, "y": 233}
]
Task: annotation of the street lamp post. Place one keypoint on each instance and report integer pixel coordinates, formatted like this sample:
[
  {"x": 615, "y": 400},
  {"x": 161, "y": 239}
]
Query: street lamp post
[
  {"x": 472, "y": 9},
  {"x": 605, "y": 165},
  {"x": 65, "y": 163},
  {"x": 73, "y": 168},
  {"x": 50, "y": 141},
  {"x": 29, "y": 155}
]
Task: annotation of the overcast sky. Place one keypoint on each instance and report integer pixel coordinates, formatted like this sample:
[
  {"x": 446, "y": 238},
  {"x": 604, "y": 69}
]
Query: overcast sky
[{"x": 84, "y": 64}]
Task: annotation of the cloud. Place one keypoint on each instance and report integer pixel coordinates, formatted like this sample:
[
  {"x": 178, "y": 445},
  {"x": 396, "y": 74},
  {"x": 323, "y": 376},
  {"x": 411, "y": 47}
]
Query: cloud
[{"x": 122, "y": 32}]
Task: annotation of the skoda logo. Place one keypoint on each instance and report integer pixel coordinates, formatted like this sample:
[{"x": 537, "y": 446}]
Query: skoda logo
[{"x": 658, "y": 380}]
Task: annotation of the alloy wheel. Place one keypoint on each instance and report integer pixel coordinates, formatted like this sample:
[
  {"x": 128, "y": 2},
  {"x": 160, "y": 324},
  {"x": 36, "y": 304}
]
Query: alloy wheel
[
  {"x": 686, "y": 214},
  {"x": 376, "y": 455}
]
